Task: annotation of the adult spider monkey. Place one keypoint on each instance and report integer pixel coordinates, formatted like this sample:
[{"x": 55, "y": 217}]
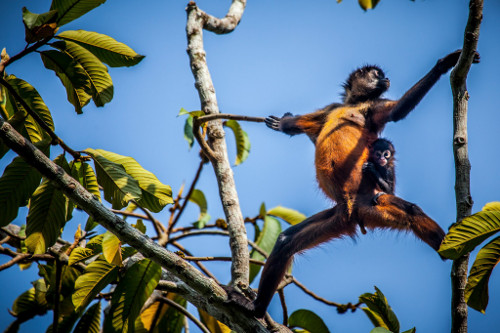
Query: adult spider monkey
[{"x": 342, "y": 134}]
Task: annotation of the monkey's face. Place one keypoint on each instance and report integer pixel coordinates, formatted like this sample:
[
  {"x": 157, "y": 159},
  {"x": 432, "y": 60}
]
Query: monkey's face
[
  {"x": 382, "y": 157},
  {"x": 365, "y": 83}
]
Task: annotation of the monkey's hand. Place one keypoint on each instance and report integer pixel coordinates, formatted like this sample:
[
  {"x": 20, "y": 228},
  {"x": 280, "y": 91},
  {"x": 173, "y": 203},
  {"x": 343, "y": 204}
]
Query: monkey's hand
[
  {"x": 368, "y": 168},
  {"x": 274, "y": 122},
  {"x": 451, "y": 60}
]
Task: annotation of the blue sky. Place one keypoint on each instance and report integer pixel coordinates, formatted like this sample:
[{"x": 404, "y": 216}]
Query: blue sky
[{"x": 292, "y": 56}]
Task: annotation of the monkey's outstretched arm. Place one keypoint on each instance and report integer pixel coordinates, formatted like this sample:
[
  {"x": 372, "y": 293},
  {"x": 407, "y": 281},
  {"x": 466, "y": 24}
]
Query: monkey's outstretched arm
[
  {"x": 413, "y": 96},
  {"x": 309, "y": 124}
]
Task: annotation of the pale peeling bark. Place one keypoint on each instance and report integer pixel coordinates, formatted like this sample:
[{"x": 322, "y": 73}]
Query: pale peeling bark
[
  {"x": 199, "y": 290},
  {"x": 198, "y": 20},
  {"x": 462, "y": 165}
]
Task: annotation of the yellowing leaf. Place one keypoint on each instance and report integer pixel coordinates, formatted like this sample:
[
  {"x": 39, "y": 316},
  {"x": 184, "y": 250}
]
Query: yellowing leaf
[
  {"x": 288, "y": 215},
  {"x": 213, "y": 324},
  {"x": 111, "y": 249}
]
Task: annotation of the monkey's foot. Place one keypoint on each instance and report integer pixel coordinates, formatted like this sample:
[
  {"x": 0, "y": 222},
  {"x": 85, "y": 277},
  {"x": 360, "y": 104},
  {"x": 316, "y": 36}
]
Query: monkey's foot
[
  {"x": 235, "y": 298},
  {"x": 375, "y": 198}
]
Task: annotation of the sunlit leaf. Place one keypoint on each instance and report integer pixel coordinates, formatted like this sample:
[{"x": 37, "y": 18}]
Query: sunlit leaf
[
  {"x": 495, "y": 206},
  {"x": 70, "y": 10},
  {"x": 379, "y": 311},
  {"x": 72, "y": 75},
  {"x": 90, "y": 321},
  {"x": 119, "y": 187},
  {"x": 213, "y": 324},
  {"x": 111, "y": 248},
  {"x": 95, "y": 278},
  {"x": 199, "y": 198},
  {"x": 476, "y": 290},
  {"x": 242, "y": 141},
  {"x": 17, "y": 184},
  {"x": 80, "y": 254},
  {"x": 463, "y": 237},
  {"x": 380, "y": 330},
  {"x": 308, "y": 320},
  {"x": 46, "y": 216},
  {"x": 368, "y": 4},
  {"x": 32, "y": 98},
  {"x": 155, "y": 194},
  {"x": 108, "y": 50},
  {"x": 288, "y": 215},
  {"x": 161, "y": 317},
  {"x": 27, "y": 304},
  {"x": 139, "y": 225},
  {"x": 86, "y": 176},
  {"x": 132, "y": 292},
  {"x": 100, "y": 81},
  {"x": 266, "y": 239}
]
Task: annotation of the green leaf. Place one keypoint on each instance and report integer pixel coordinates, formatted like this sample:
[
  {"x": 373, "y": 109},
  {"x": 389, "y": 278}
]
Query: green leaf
[
  {"x": 118, "y": 186},
  {"x": 242, "y": 141},
  {"x": 86, "y": 176},
  {"x": 495, "y": 205},
  {"x": 131, "y": 293},
  {"x": 90, "y": 321},
  {"x": 80, "y": 254},
  {"x": 108, "y": 50},
  {"x": 95, "y": 278},
  {"x": 17, "y": 184},
  {"x": 266, "y": 239},
  {"x": 27, "y": 304},
  {"x": 379, "y": 311},
  {"x": 39, "y": 26},
  {"x": 91, "y": 224},
  {"x": 188, "y": 131},
  {"x": 32, "y": 20},
  {"x": 111, "y": 248},
  {"x": 380, "y": 330},
  {"x": 197, "y": 113},
  {"x": 70, "y": 10},
  {"x": 155, "y": 194},
  {"x": 72, "y": 75},
  {"x": 139, "y": 225},
  {"x": 213, "y": 324},
  {"x": 476, "y": 290},
  {"x": 463, "y": 237},
  {"x": 288, "y": 215},
  {"x": 308, "y": 320},
  {"x": 29, "y": 94},
  {"x": 199, "y": 198},
  {"x": 47, "y": 215},
  {"x": 411, "y": 330},
  {"x": 368, "y": 4},
  {"x": 161, "y": 317},
  {"x": 100, "y": 81}
]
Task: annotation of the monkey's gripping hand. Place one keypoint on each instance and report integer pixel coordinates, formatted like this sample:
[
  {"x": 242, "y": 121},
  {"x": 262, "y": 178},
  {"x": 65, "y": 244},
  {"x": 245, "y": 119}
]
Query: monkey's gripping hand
[
  {"x": 444, "y": 64},
  {"x": 235, "y": 298},
  {"x": 276, "y": 123}
]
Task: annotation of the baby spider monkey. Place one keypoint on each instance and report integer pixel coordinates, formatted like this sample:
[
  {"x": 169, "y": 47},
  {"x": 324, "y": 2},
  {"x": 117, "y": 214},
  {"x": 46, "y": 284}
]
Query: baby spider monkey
[{"x": 343, "y": 134}]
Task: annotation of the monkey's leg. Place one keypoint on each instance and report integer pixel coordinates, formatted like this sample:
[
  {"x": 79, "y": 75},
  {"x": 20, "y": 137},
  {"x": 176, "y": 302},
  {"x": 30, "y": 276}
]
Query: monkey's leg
[
  {"x": 314, "y": 230},
  {"x": 396, "y": 213}
]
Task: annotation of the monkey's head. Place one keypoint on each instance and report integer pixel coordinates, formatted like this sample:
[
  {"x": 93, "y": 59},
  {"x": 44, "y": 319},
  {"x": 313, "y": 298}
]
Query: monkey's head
[
  {"x": 365, "y": 83},
  {"x": 382, "y": 152}
]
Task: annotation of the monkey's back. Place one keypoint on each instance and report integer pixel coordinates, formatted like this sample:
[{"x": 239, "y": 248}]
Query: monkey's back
[{"x": 341, "y": 150}]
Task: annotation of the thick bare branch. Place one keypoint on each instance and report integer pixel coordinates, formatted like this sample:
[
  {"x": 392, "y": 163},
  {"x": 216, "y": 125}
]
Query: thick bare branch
[
  {"x": 196, "y": 22},
  {"x": 208, "y": 294},
  {"x": 462, "y": 164}
]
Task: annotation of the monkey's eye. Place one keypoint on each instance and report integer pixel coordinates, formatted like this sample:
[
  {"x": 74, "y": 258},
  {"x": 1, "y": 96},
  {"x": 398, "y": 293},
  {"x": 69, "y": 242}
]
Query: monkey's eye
[{"x": 387, "y": 154}]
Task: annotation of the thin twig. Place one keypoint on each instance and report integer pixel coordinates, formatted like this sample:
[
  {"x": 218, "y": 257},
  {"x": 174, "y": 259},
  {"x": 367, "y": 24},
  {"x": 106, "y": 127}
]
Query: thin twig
[
  {"x": 281, "y": 294},
  {"x": 188, "y": 195},
  {"x": 220, "y": 233},
  {"x": 323, "y": 300},
  {"x": 185, "y": 312},
  {"x": 189, "y": 258},
  {"x": 209, "y": 117},
  {"x": 200, "y": 265},
  {"x": 55, "y": 139},
  {"x": 24, "y": 52}
]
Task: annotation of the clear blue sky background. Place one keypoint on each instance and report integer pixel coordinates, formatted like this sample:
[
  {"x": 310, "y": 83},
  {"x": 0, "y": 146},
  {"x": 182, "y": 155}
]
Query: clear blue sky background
[{"x": 291, "y": 56}]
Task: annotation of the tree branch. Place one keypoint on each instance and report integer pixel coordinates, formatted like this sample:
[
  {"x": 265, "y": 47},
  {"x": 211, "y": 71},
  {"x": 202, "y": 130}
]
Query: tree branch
[
  {"x": 463, "y": 196},
  {"x": 208, "y": 294},
  {"x": 197, "y": 21}
]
